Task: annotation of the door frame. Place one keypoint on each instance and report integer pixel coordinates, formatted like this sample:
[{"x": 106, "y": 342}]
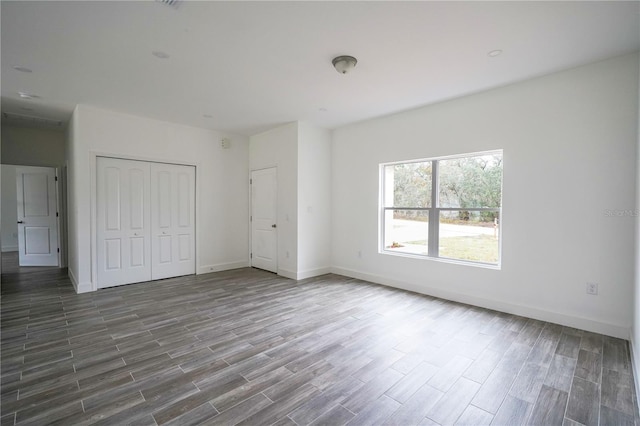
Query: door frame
[
  {"x": 60, "y": 187},
  {"x": 249, "y": 254},
  {"x": 93, "y": 185}
]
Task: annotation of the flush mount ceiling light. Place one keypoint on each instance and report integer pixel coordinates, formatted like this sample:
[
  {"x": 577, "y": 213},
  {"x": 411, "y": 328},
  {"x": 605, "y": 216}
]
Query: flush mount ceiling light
[
  {"x": 22, "y": 69},
  {"x": 344, "y": 64},
  {"x": 495, "y": 53}
]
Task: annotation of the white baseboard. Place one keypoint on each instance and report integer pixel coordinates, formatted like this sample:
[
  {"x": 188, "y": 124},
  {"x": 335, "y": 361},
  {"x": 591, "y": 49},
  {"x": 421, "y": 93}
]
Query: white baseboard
[
  {"x": 309, "y": 273},
  {"x": 6, "y": 249},
  {"x": 288, "y": 274},
  {"x": 85, "y": 287},
  {"x": 73, "y": 279},
  {"x": 222, "y": 267},
  {"x": 510, "y": 308},
  {"x": 79, "y": 288},
  {"x": 301, "y": 275}
]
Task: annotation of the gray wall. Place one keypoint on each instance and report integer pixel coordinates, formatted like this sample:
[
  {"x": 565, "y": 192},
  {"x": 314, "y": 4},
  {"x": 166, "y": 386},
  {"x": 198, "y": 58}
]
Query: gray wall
[
  {"x": 9, "y": 235},
  {"x": 32, "y": 147}
]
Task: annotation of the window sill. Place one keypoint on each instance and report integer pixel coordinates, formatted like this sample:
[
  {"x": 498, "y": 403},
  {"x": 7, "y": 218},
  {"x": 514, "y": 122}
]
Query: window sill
[{"x": 497, "y": 267}]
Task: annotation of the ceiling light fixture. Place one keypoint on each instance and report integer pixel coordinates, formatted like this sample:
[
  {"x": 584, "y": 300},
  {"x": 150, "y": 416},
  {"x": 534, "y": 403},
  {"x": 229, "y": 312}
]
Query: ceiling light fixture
[
  {"x": 344, "y": 64},
  {"x": 495, "y": 53},
  {"x": 160, "y": 54},
  {"x": 22, "y": 69}
]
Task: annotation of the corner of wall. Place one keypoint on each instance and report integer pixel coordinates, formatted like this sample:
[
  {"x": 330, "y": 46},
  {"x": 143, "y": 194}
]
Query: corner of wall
[
  {"x": 80, "y": 288},
  {"x": 634, "y": 333}
]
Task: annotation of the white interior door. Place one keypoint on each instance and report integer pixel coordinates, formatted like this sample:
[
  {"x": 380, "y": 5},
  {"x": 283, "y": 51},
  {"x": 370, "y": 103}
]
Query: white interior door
[
  {"x": 123, "y": 221},
  {"x": 37, "y": 216},
  {"x": 172, "y": 220},
  {"x": 264, "y": 235}
]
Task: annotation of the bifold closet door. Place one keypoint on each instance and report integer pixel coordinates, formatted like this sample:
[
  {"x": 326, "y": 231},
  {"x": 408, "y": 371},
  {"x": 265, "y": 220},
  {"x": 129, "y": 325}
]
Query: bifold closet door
[
  {"x": 172, "y": 220},
  {"x": 123, "y": 221},
  {"x": 145, "y": 221}
]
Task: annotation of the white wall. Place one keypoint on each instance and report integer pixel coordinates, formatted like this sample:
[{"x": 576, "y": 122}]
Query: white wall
[
  {"x": 279, "y": 148},
  {"x": 569, "y": 143},
  {"x": 9, "y": 225},
  {"x": 74, "y": 187},
  {"x": 221, "y": 184},
  {"x": 302, "y": 154},
  {"x": 314, "y": 200}
]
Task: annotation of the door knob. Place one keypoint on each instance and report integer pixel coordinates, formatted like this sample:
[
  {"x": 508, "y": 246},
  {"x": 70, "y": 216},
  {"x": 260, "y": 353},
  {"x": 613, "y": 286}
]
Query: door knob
[
  {"x": 20, "y": 221},
  {"x": 273, "y": 226}
]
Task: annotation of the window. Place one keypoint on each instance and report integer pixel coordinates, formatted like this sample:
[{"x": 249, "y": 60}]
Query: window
[{"x": 446, "y": 208}]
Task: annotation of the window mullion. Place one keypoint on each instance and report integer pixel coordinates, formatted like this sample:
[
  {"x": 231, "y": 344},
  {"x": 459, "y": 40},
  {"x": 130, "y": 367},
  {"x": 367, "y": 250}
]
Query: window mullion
[{"x": 434, "y": 218}]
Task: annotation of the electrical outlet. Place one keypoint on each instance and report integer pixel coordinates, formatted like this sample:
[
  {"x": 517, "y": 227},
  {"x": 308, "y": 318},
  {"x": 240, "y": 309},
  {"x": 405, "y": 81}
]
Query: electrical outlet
[{"x": 592, "y": 288}]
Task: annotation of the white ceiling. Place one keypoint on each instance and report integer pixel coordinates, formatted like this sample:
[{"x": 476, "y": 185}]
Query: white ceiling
[{"x": 254, "y": 65}]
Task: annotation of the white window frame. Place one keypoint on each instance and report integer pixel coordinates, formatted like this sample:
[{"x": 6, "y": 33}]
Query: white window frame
[{"x": 433, "y": 244}]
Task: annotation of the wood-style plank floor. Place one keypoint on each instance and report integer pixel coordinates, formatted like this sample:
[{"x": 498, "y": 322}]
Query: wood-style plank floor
[{"x": 248, "y": 347}]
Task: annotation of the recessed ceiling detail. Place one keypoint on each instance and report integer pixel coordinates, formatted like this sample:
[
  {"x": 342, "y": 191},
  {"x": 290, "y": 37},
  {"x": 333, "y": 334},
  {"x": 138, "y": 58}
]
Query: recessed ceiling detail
[
  {"x": 22, "y": 69},
  {"x": 160, "y": 54}
]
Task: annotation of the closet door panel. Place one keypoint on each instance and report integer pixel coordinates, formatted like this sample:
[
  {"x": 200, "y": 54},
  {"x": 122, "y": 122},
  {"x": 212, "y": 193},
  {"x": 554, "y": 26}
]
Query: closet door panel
[
  {"x": 173, "y": 217},
  {"x": 123, "y": 226}
]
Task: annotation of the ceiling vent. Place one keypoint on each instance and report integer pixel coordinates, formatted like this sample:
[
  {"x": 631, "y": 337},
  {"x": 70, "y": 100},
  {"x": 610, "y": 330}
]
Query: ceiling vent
[
  {"x": 172, "y": 3},
  {"x": 30, "y": 120}
]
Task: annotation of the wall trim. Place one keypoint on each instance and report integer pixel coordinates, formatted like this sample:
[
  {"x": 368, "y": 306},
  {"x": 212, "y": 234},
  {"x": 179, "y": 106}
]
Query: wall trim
[
  {"x": 506, "y": 307},
  {"x": 301, "y": 275},
  {"x": 207, "y": 269},
  {"x": 6, "y": 249},
  {"x": 85, "y": 287},
  {"x": 309, "y": 273},
  {"x": 288, "y": 274},
  {"x": 73, "y": 279}
]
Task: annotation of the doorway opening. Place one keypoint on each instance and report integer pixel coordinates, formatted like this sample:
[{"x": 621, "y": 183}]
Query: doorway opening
[{"x": 31, "y": 217}]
